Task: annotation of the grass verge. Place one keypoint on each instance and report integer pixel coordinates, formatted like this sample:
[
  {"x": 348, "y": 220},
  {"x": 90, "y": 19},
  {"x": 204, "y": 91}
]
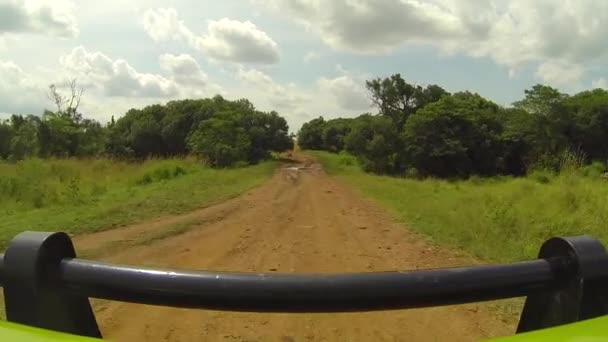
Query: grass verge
[
  {"x": 501, "y": 219},
  {"x": 88, "y": 196},
  {"x": 79, "y": 196}
]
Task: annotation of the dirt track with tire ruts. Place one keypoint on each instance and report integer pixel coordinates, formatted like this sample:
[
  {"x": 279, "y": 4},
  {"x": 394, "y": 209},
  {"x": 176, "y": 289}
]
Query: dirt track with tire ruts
[{"x": 301, "y": 221}]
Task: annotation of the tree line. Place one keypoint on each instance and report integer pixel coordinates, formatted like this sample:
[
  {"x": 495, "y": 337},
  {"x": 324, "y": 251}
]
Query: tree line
[
  {"x": 220, "y": 131},
  {"x": 428, "y": 132}
]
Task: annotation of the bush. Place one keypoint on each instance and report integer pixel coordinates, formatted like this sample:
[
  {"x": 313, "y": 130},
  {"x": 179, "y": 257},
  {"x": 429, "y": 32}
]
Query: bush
[
  {"x": 594, "y": 170},
  {"x": 541, "y": 176},
  {"x": 159, "y": 174},
  {"x": 346, "y": 159}
]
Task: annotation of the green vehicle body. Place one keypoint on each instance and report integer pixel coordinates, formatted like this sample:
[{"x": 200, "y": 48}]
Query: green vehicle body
[{"x": 592, "y": 330}]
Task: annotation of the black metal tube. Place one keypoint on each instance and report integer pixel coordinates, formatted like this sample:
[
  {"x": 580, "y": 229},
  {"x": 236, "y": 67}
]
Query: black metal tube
[
  {"x": 309, "y": 293},
  {"x": 1, "y": 269}
]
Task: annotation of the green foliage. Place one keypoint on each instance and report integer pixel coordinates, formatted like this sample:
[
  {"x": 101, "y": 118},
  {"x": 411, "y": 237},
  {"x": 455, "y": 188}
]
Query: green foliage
[
  {"x": 161, "y": 173},
  {"x": 58, "y": 135},
  {"x": 6, "y": 135},
  {"x": 456, "y": 136},
  {"x": 334, "y": 134},
  {"x": 542, "y": 176},
  {"x": 398, "y": 99},
  {"x": 594, "y": 170},
  {"x": 24, "y": 142},
  {"x": 175, "y": 129},
  {"x": 310, "y": 136},
  {"x": 588, "y": 115},
  {"x": 374, "y": 140},
  {"x": 85, "y": 195},
  {"x": 540, "y": 100},
  {"x": 504, "y": 219},
  {"x": 336, "y": 164},
  {"x": 220, "y": 141},
  {"x": 247, "y": 136},
  {"x": 431, "y": 133},
  {"x": 220, "y": 131}
]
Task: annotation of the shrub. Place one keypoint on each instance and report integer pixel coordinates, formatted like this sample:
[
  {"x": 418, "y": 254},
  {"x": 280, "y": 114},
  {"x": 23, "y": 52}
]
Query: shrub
[
  {"x": 542, "y": 176},
  {"x": 594, "y": 170},
  {"x": 159, "y": 174},
  {"x": 346, "y": 159}
]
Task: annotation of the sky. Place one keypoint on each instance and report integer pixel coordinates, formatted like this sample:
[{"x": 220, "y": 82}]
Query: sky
[{"x": 303, "y": 58}]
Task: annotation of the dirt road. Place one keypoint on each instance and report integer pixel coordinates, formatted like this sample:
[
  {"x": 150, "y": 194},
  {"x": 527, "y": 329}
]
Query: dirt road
[{"x": 299, "y": 222}]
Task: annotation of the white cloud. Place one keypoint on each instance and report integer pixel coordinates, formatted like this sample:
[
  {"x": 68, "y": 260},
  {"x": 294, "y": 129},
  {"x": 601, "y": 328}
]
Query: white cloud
[
  {"x": 225, "y": 40},
  {"x": 111, "y": 86},
  {"x": 560, "y": 74},
  {"x": 3, "y": 43},
  {"x": 184, "y": 69},
  {"x": 128, "y": 82},
  {"x": 236, "y": 41},
  {"x": 348, "y": 93},
  {"x": 183, "y": 75},
  {"x": 311, "y": 56},
  {"x": 11, "y": 73},
  {"x": 369, "y": 27},
  {"x": 600, "y": 83},
  {"x": 513, "y": 33},
  {"x": 278, "y": 95},
  {"x": 38, "y": 16},
  {"x": 163, "y": 24},
  {"x": 341, "y": 96},
  {"x": 296, "y": 104},
  {"x": 115, "y": 77},
  {"x": 19, "y": 92}
]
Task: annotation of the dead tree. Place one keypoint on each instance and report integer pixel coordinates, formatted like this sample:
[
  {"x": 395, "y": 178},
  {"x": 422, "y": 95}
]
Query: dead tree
[{"x": 67, "y": 104}]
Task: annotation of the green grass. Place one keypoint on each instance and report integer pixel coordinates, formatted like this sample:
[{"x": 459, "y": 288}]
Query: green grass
[
  {"x": 502, "y": 219},
  {"x": 80, "y": 196}
]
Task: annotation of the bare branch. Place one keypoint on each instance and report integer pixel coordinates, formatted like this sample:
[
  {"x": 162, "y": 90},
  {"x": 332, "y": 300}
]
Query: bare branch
[
  {"x": 76, "y": 95},
  {"x": 57, "y": 98}
]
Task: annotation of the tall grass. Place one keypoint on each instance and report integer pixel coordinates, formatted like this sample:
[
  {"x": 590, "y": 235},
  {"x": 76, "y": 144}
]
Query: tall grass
[
  {"x": 89, "y": 195},
  {"x": 38, "y": 183},
  {"x": 503, "y": 219}
]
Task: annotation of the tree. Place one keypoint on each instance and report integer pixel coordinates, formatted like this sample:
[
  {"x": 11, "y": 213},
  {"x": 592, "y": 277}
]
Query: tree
[
  {"x": 24, "y": 142},
  {"x": 267, "y": 132},
  {"x": 334, "y": 133},
  {"x": 588, "y": 114},
  {"x": 181, "y": 127},
  {"x": 456, "y": 136},
  {"x": 398, "y": 99},
  {"x": 92, "y": 139},
  {"x": 525, "y": 140},
  {"x": 6, "y": 134},
  {"x": 375, "y": 142},
  {"x": 182, "y": 116},
  {"x": 436, "y": 144},
  {"x": 58, "y": 135},
  {"x": 145, "y": 136},
  {"x": 220, "y": 141},
  {"x": 310, "y": 136},
  {"x": 67, "y": 104},
  {"x": 540, "y": 100}
]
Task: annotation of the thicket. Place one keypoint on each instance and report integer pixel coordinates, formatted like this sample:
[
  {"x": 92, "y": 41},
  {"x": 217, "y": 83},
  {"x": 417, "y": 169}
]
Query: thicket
[
  {"x": 428, "y": 132},
  {"x": 220, "y": 131}
]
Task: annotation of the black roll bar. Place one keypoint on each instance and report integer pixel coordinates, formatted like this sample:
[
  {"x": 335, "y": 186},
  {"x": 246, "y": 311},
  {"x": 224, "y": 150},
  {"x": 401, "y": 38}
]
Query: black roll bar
[{"x": 46, "y": 286}]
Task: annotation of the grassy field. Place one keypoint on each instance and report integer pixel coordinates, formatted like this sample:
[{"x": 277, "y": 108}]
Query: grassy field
[
  {"x": 500, "y": 219},
  {"x": 80, "y": 196}
]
